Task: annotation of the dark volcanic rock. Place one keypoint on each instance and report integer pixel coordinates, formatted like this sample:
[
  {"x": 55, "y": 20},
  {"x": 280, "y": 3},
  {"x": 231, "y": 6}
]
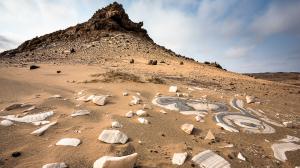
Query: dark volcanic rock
[{"x": 33, "y": 67}]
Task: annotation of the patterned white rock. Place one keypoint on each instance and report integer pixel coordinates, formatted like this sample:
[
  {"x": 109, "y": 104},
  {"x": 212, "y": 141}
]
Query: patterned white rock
[
  {"x": 68, "y": 142},
  {"x": 143, "y": 120},
  {"x": 80, "y": 113},
  {"x": 55, "y": 165},
  {"x": 188, "y": 128},
  {"x": 279, "y": 150},
  {"x": 209, "y": 159},
  {"x": 179, "y": 158},
  {"x": 129, "y": 114},
  {"x": 6, "y": 123},
  {"x": 141, "y": 113},
  {"x": 99, "y": 100},
  {"x": 173, "y": 89},
  {"x": 41, "y": 130},
  {"x": 113, "y": 136},
  {"x": 116, "y": 124},
  {"x": 29, "y": 118},
  {"x": 116, "y": 162}
]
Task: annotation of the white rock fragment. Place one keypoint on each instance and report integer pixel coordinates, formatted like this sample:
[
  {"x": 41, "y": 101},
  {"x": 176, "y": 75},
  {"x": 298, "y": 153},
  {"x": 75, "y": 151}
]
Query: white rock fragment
[
  {"x": 125, "y": 94},
  {"x": 129, "y": 114},
  {"x": 113, "y": 136},
  {"x": 241, "y": 157},
  {"x": 141, "y": 113},
  {"x": 199, "y": 118},
  {"x": 80, "y": 113},
  {"x": 86, "y": 98},
  {"x": 55, "y": 165},
  {"x": 6, "y": 123},
  {"x": 209, "y": 159},
  {"x": 173, "y": 89},
  {"x": 29, "y": 109},
  {"x": 179, "y": 158},
  {"x": 56, "y": 96},
  {"x": 138, "y": 93},
  {"x": 116, "y": 162},
  {"x": 188, "y": 128},
  {"x": 143, "y": 120},
  {"x": 29, "y": 118},
  {"x": 163, "y": 111},
  {"x": 250, "y": 99},
  {"x": 38, "y": 123},
  {"x": 68, "y": 142},
  {"x": 116, "y": 124},
  {"x": 41, "y": 130},
  {"x": 99, "y": 100},
  {"x": 227, "y": 146},
  {"x": 279, "y": 150},
  {"x": 209, "y": 136},
  {"x": 135, "y": 100}
]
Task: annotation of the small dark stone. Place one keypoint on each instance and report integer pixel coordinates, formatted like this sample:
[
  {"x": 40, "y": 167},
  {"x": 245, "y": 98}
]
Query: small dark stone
[
  {"x": 58, "y": 71},
  {"x": 150, "y": 62},
  {"x": 163, "y": 135},
  {"x": 131, "y": 61},
  {"x": 16, "y": 154},
  {"x": 193, "y": 165},
  {"x": 34, "y": 67},
  {"x": 72, "y": 50},
  {"x": 230, "y": 156},
  {"x": 181, "y": 63},
  {"x": 154, "y": 62}
]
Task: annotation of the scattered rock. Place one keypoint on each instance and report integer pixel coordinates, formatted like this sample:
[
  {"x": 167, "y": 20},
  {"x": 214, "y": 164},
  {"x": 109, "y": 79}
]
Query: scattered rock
[
  {"x": 116, "y": 124},
  {"x": 135, "y": 100},
  {"x": 141, "y": 113},
  {"x": 188, "y": 128},
  {"x": 55, "y": 165},
  {"x": 173, "y": 89},
  {"x": 209, "y": 159},
  {"x": 179, "y": 158},
  {"x": 250, "y": 99},
  {"x": 33, "y": 67},
  {"x": 58, "y": 71},
  {"x": 154, "y": 62},
  {"x": 143, "y": 120},
  {"x": 241, "y": 157},
  {"x": 6, "y": 123},
  {"x": 209, "y": 136},
  {"x": 131, "y": 61},
  {"x": 129, "y": 114},
  {"x": 68, "y": 142},
  {"x": 16, "y": 154},
  {"x": 113, "y": 136},
  {"x": 100, "y": 100},
  {"x": 72, "y": 50},
  {"x": 41, "y": 130},
  {"x": 80, "y": 113},
  {"x": 116, "y": 162}
]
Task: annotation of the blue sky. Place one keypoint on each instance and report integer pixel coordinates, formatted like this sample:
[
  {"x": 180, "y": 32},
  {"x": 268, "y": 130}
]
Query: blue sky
[{"x": 241, "y": 35}]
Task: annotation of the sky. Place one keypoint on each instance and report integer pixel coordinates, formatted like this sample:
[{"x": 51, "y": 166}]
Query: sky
[{"x": 241, "y": 35}]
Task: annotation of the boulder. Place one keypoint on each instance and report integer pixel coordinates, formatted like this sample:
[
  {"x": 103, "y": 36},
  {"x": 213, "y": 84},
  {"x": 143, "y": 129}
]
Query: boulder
[
  {"x": 113, "y": 137},
  {"x": 173, "y": 89},
  {"x": 100, "y": 100},
  {"x": 6, "y": 123},
  {"x": 68, "y": 142},
  {"x": 188, "y": 128},
  {"x": 116, "y": 162},
  {"x": 179, "y": 158},
  {"x": 55, "y": 165},
  {"x": 141, "y": 113}
]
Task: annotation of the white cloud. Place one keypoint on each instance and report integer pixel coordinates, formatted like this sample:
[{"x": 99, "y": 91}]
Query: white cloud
[{"x": 237, "y": 52}]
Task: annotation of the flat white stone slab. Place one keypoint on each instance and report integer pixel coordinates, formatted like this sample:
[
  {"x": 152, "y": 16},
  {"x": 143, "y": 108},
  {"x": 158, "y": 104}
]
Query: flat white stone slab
[
  {"x": 80, "y": 113},
  {"x": 6, "y": 123},
  {"x": 116, "y": 162},
  {"x": 41, "y": 130},
  {"x": 113, "y": 136},
  {"x": 179, "y": 158},
  {"x": 55, "y": 165},
  {"x": 29, "y": 118},
  {"x": 209, "y": 159},
  {"x": 279, "y": 150},
  {"x": 68, "y": 142}
]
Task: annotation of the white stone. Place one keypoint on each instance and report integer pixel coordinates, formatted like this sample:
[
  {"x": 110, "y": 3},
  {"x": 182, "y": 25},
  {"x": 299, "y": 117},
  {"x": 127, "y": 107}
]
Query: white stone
[
  {"x": 80, "y": 113},
  {"x": 143, "y": 120},
  {"x": 209, "y": 159},
  {"x": 199, "y": 118},
  {"x": 135, "y": 100},
  {"x": 129, "y": 114},
  {"x": 141, "y": 113},
  {"x": 56, "y": 96},
  {"x": 100, "y": 100},
  {"x": 41, "y": 130},
  {"x": 55, "y": 165},
  {"x": 116, "y": 162},
  {"x": 188, "y": 128},
  {"x": 68, "y": 142},
  {"x": 241, "y": 157},
  {"x": 6, "y": 123},
  {"x": 179, "y": 158},
  {"x": 138, "y": 93},
  {"x": 125, "y": 93},
  {"x": 250, "y": 99},
  {"x": 116, "y": 124},
  {"x": 163, "y": 111},
  {"x": 279, "y": 150},
  {"x": 113, "y": 136},
  {"x": 173, "y": 89},
  {"x": 29, "y": 118}
]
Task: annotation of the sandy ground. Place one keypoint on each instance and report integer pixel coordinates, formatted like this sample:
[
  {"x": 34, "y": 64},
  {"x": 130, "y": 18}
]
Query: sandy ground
[{"x": 160, "y": 139}]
